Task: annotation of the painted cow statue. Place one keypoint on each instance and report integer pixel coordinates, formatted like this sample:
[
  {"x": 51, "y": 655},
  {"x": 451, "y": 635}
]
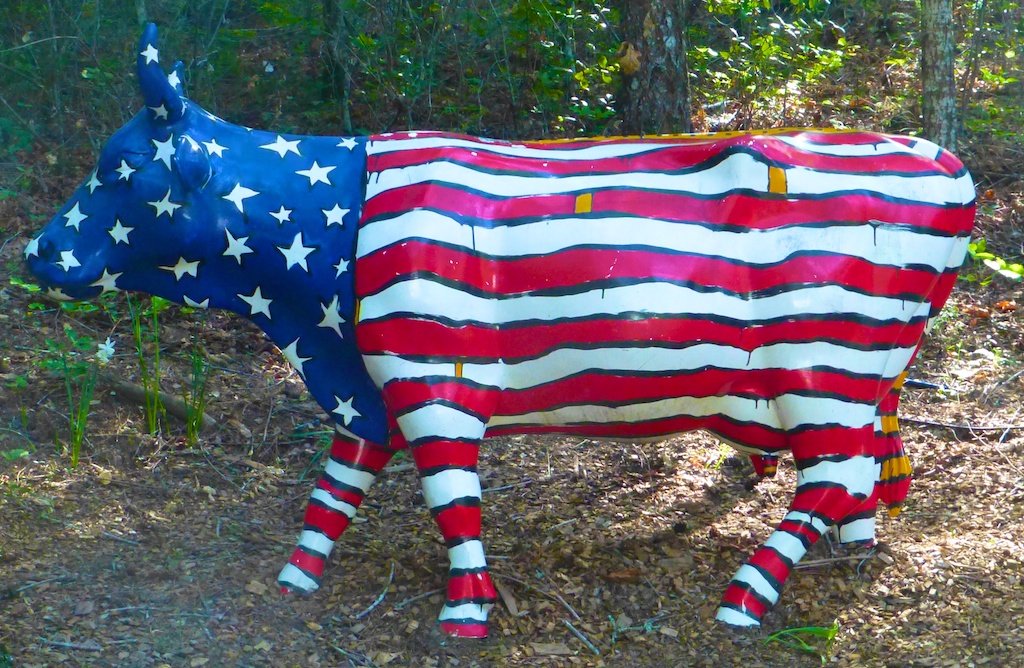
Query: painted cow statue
[{"x": 433, "y": 290}]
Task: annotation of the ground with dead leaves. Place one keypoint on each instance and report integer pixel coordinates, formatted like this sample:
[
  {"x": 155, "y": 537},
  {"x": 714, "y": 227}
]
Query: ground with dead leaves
[{"x": 158, "y": 553}]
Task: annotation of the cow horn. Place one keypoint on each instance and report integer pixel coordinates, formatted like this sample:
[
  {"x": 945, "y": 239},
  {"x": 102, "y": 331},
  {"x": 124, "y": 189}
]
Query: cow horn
[{"x": 163, "y": 100}]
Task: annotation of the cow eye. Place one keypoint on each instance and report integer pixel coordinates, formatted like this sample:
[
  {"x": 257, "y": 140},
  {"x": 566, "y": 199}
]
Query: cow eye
[{"x": 193, "y": 163}]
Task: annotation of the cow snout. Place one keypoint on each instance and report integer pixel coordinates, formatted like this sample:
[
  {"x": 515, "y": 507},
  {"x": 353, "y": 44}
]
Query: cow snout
[{"x": 47, "y": 250}]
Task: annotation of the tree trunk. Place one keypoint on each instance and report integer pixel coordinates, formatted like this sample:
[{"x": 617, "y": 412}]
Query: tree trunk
[
  {"x": 339, "y": 76},
  {"x": 654, "y": 97},
  {"x": 938, "y": 84}
]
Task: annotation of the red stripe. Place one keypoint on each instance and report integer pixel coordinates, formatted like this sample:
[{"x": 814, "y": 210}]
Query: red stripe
[
  {"x": 769, "y": 561},
  {"x": 464, "y": 630},
  {"x": 412, "y": 337},
  {"x": 577, "y": 267},
  {"x": 620, "y": 389},
  {"x": 661, "y": 157},
  {"x": 760, "y": 213},
  {"x": 740, "y": 597},
  {"x": 314, "y": 566},
  {"x": 330, "y": 522},
  {"x": 459, "y": 522},
  {"x": 472, "y": 586},
  {"x": 361, "y": 453},
  {"x": 340, "y": 494},
  {"x": 834, "y": 503},
  {"x": 441, "y": 453},
  {"x": 800, "y": 530}
]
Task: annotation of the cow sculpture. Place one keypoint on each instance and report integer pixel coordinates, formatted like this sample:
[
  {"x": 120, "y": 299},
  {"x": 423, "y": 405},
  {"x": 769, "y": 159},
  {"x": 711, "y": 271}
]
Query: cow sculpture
[{"x": 434, "y": 289}]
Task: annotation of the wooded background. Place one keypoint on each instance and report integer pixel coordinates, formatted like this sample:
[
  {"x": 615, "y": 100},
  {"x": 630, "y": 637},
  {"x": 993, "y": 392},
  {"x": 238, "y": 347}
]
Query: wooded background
[{"x": 523, "y": 69}]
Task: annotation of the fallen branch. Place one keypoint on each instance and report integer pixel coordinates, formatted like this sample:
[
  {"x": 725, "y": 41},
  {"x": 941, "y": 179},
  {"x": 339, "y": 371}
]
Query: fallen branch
[
  {"x": 73, "y": 645},
  {"x": 579, "y": 634},
  {"x": 965, "y": 427},
  {"x": 391, "y": 578},
  {"x": 554, "y": 597},
  {"x": 407, "y": 601},
  {"x": 831, "y": 560},
  {"x": 173, "y": 405},
  {"x": 111, "y": 536}
]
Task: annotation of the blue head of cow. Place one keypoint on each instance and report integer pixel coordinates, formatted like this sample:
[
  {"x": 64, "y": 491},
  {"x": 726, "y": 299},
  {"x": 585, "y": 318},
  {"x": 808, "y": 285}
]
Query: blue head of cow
[{"x": 186, "y": 206}]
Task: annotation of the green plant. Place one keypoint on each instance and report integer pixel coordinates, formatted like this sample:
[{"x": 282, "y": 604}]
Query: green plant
[
  {"x": 149, "y": 375},
  {"x": 978, "y": 251},
  {"x": 819, "y": 639},
  {"x": 195, "y": 396}
]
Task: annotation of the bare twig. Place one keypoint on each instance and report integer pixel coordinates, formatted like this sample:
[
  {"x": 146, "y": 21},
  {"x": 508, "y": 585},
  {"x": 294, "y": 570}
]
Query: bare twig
[
  {"x": 831, "y": 560},
  {"x": 73, "y": 645},
  {"x": 963, "y": 427},
  {"x": 582, "y": 637},
  {"x": 355, "y": 658},
  {"x": 554, "y": 597},
  {"x": 391, "y": 578},
  {"x": 407, "y": 601},
  {"x": 38, "y": 41},
  {"x": 120, "y": 539},
  {"x": 30, "y": 585}
]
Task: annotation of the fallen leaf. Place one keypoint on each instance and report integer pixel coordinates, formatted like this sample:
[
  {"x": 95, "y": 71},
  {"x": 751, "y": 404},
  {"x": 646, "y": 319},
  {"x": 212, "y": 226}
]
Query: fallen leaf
[
  {"x": 1007, "y": 306},
  {"x": 256, "y": 587},
  {"x": 263, "y": 646},
  {"x": 674, "y": 564},
  {"x": 84, "y": 608},
  {"x": 626, "y": 575},
  {"x": 508, "y": 599},
  {"x": 551, "y": 648},
  {"x": 668, "y": 631},
  {"x": 384, "y": 658},
  {"x": 313, "y": 626},
  {"x": 198, "y": 661}
]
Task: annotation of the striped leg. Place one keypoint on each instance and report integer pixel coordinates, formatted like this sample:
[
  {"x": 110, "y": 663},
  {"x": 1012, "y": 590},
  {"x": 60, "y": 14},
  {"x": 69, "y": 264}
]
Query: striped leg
[
  {"x": 830, "y": 485},
  {"x": 350, "y": 471},
  {"x": 444, "y": 436},
  {"x": 765, "y": 465}
]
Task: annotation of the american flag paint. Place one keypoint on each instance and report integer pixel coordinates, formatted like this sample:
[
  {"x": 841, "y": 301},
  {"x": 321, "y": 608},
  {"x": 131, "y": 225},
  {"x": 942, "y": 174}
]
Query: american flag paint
[{"x": 434, "y": 289}]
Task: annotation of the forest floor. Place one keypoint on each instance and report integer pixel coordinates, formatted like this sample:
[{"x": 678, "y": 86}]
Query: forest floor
[{"x": 153, "y": 552}]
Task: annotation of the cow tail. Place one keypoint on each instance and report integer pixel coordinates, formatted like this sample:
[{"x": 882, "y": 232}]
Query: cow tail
[{"x": 894, "y": 481}]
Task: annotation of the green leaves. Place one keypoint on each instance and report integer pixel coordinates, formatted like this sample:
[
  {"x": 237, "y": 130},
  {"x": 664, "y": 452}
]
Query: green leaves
[
  {"x": 811, "y": 639},
  {"x": 978, "y": 251}
]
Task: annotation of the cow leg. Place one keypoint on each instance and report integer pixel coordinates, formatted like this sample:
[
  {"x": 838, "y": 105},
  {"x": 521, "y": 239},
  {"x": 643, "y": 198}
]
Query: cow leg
[
  {"x": 831, "y": 483},
  {"x": 351, "y": 469},
  {"x": 765, "y": 464}
]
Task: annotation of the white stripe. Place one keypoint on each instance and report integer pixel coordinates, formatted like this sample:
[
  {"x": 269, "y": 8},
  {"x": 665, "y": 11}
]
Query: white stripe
[
  {"x": 787, "y": 545},
  {"x": 805, "y": 518},
  {"x": 882, "y": 146},
  {"x": 473, "y": 611},
  {"x": 735, "y": 618},
  {"x": 467, "y": 556},
  {"x": 429, "y": 299},
  {"x": 783, "y": 412},
  {"x": 316, "y": 541},
  {"x": 294, "y": 578},
  {"x": 890, "y": 245},
  {"x": 348, "y": 475},
  {"x": 857, "y": 531},
  {"x": 441, "y": 422},
  {"x": 444, "y": 487},
  {"x": 566, "y": 362},
  {"x": 558, "y": 152},
  {"x": 325, "y": 497},
  {"x": 937, "y": 189},
  {"x": 751, "y": 576},
  {"x": 856, "y": 474},
  {"x": 737, "y": 170}
]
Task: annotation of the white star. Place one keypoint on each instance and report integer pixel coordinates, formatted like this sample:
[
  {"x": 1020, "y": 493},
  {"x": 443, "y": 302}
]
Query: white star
[
  {"x": 283, "y": 215},
  {"x": 164, "y": 150},
  {"x": 93, "y": 183},
  {"x": 119, "y": 233},
  {"x": 150, "y": 54},
  {"x": 282, "y": 146},
  {"x": 160, "y": 112},
  {"x": 240, "y": 193},
  {"x": 296, "y": 253},
  {"x": 174, "y": 79},
  {"x": 257, "y": 303},
  {"x": 32, "y": 248},
  {"x": 107, "y": 281},
  {"x": 165, "y": 206},
  {"x": 316, "y": 173},
  {"x": 125, "y": 170},
  {"x": 68, "y": 260},
  {"x": 214, "y": 148},
  {"x": 236, "y": 247},
  {"x": 291, "y": 351},
  {"x": 342, "y": 267},
  {"x": 335, "y": 216},
  {"x": 205, "y": 304},
  {"x": 347, "y": 142},
  {"x": 332, "y": 318},
  {"x": 75, "y": 217},
  {"x": 183, "y": 267},
  {"x": 58, "y": 294},
  {"x": 345, "y": 410}
]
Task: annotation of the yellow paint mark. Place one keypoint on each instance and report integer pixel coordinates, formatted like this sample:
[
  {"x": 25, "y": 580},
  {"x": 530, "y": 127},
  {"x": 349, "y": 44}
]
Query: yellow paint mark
[
  {"x": 895, "y": 510},
  {"x": 458, "y": 369},
  {"x": 776, "y": 180},
  {"x": 897, "y": 467},
  {"x": 890, "y": 424},
  {"x": 585, "y": 203},
  {"x": 898, "y": 385},
  {"x": 355, "y": 320}
]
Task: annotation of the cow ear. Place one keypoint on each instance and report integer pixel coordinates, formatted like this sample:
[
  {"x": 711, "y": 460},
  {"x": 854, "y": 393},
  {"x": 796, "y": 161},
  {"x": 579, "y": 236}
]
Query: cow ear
[
  {"x": 162, "y": 98},
  {"x": 193, "y": 163}
]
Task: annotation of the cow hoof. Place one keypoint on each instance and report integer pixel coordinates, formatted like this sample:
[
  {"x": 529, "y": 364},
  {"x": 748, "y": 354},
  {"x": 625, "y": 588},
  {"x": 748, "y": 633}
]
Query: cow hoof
[
  {"x": 470, "y": 630},
  {"x": 293, "y": 581},
  {"x": 734, "y": 617}
]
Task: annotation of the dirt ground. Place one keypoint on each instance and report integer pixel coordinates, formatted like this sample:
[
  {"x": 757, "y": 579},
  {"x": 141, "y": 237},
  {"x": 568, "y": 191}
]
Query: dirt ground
[{"x": 153, "y": 552}]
